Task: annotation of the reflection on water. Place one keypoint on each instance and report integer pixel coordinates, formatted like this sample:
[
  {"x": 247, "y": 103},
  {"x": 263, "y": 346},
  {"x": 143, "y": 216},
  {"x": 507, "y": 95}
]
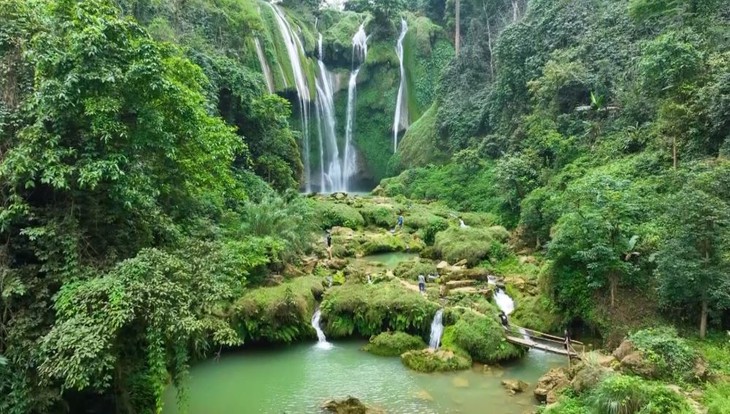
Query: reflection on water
[{"x": 299, "y": 378}]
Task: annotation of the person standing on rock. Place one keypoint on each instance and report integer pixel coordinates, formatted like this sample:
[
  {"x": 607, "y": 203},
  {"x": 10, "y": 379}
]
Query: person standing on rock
[
  {"x": 328, "y": 241},
  {"x": 399, "y": 224},
  {"x": 421, "y": 284}
]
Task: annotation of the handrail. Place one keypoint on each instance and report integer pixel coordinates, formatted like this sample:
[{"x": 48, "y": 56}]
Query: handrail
[{"x": 543, "y": 336}]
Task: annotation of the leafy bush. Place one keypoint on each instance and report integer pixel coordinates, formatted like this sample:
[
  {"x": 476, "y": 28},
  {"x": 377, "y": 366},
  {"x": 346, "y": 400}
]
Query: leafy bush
[
  {"x": 717, "y": 398},
  {"x": 472, "y": 244},
  {"x": 411, "y": 269},
  {"x": 673, "y": 356},
  {"x": 393, "y": 343},
  {"x": 333, "y": 214},
  {"x": 279, "y": 314},
  {"x": 623, "y": 394},
  {"x": 384, "y": 216},
  {"x": 481, "y": 337},
  {"x": 443, "y": 359},
  {"x": 370, "y": 309}
]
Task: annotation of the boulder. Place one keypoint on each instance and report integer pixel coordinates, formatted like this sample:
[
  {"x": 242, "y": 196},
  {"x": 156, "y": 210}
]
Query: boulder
[
  {"x": 549, "y": 385},
  {"x": 349, "y": 405},
  {"x": 430, "y": 360},
  {"x": 636, "y": 363},
  {"x": 453, "y": 284},
  {"x": 588, "y": 377},
  {"x": 442, "y": 265},
  {"x": 700, "y": 370},
  {"x": 607, "y": 361},
  {"x": 336, "y": 263},
  {"x": 309, "y": 263},
  {"x": 514, "y": 386},
  {"x": 460, "y": 263},
  {"x": 623, "y": 350}
]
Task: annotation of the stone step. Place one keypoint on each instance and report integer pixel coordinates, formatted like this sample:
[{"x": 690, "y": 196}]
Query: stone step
[{"x": 453, "y": 284}]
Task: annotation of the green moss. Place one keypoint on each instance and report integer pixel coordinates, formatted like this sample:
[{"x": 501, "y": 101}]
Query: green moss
[
  {"x": 379, "y": 215},
  {"x": 411, "y": 269},
  {"x": 393, "y": 343},
  {"x": 333, "y": 214},
  {"x": 472, "y": 244},
  {"x": 418, "y": 146},
  {"x": 443, "y": 359},
  {"x": 279, "y": 314},
  {"x": 367, "y": 310},
  {"x": 717, "y": 398},
  {"x": 482, "y": 337}
]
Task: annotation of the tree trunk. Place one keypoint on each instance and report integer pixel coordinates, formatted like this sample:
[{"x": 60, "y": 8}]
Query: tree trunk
[
  {"x": 457, "y": 36},
  {"x": 674, "y": 152},
  {"x": 613, "y": 280},
  {"x": 703, "y": 319},
  {"x": 515, "y": 10},
  {"x": 491, "y": 54}
]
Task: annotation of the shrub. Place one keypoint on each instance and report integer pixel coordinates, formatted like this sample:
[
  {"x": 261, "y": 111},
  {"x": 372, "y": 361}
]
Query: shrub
[
  {"x": 481, "y": 337},
  {"x": 443, "y": 359},
  {"x": 367, "y": 310},
  {"x": 410, "y": 270},
  {"x": 623, "y": 394},
  {"x": 472, "y": 244},
  {"x": 672, "y": 355},
  {"x": 333, "y": 214},
  {"x": 279, "y": 314},
  {"x": 717, "y": 398},
  {"x": 384, "y": 216},
  {"x": 393, "y": 343}
]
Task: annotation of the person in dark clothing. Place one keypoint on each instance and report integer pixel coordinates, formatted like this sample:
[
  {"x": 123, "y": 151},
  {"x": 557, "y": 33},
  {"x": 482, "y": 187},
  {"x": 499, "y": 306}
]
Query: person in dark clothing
[
  {"x": 399, "y": 224},
  {"x": 421, "y": 283},
  {"x": 503, "y": 318},
  {"x": 329, "y": 244}
]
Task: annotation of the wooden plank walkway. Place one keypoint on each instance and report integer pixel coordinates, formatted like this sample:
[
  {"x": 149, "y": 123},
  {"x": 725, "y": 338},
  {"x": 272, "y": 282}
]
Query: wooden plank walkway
[{"x": 542, "y": 341}]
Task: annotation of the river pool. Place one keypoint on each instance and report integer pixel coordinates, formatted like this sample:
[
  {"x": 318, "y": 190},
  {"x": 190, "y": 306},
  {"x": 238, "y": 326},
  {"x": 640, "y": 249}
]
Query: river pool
[{"x": 297, "y": 379}]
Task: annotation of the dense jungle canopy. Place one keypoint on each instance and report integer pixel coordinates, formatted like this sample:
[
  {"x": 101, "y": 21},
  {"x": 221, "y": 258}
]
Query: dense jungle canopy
[{"x": 153, "y": 152}]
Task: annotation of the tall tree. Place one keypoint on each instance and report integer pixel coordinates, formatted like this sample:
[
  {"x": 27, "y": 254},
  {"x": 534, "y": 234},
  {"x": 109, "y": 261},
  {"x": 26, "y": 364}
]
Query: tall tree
[{"x": 693, "y": 266}]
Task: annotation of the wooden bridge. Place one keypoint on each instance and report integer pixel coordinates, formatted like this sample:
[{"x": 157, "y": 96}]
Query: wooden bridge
[{"x": 542, "y": 341}]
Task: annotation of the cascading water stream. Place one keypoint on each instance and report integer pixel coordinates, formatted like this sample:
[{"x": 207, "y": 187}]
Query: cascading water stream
[
  {"x": 400, "y": 121},
  {"x": 437, "y": 328},
  {"x": 295, "y": 51},
  {"x": 322, "y": 340},
  {"x": 264, "y": 66},
  {"x": 504, "y": 302},
  {"x": 333, "y": 178},
  {"x": 359, "y": 54}
]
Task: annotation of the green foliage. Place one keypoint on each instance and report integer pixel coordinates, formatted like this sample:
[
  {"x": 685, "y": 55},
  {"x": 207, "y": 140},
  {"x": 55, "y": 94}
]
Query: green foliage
[
  {"x": 371, "y": 309},
  {"x": 472, "y": 244},
  {"x": 393, "y": 343},
  {"x": 410, "y": 270},
  {"x": 279, "y": 314},
  {"x": 333, "y": 214},
  {"x": 482, "y": 337},
  {"x": 418, "y": 148},
  {"x": 673, "y": 356},
  {"x": 622, "y": 394},
  {"x": 379, "y": 215},
  {"x": 717, "y": 398},
  {"x": 443, "y": 359}
]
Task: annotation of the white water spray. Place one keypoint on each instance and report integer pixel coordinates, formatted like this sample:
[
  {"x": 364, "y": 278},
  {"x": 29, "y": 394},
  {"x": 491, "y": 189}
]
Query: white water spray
[
  {"x": 322, "y": 340},
  {"x": 504, "y": 302},
  {"x": 295, "y": 51},
  {"x": 359, "y": 54},
  {"x": 264, "y": 66},
  {"x": 437, "y": 328},
  {"x": 400, "y": 121}
]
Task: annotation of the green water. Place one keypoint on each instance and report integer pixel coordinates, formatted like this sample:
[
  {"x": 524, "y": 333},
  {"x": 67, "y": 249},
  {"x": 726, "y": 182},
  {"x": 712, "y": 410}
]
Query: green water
[
  {"x": 299, "y": 378},
  {"x": 390, "y": 260}
]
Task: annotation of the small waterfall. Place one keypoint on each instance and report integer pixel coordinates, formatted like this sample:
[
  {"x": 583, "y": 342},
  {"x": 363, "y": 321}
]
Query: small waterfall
[
  {"x": 359, "y": 54},
  {"x": 461, "y": 224},
  {"x": 295, "y": 51},
  {"x": 400, "y": 120},
  {"x": 437, "y": 328},
  {"x": 322, "y": 340},
  {"x": 504, "y": 302},
  {"x": 264, "y": 65}
]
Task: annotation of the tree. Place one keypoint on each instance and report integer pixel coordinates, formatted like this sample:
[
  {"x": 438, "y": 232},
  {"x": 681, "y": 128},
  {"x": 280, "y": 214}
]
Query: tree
[
  {"x": 693, "y": 266},
  {"x": 382, "y": 10},
  {"x": 598, "y": 231}
]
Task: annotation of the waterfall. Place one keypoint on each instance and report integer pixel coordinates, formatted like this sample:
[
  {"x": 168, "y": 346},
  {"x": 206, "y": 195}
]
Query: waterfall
[
  {"x": 400, "y": 120},
  {"x": 333, "y": 178},
  {"x": 322, "y": 340},
  {"x": 264, "y": 66},
  {"x": 504, "y": 302},
  {"x": 359, "y": 54},
  {"x": 295, "y": 51},
  {"x": 437, "y": 327}
]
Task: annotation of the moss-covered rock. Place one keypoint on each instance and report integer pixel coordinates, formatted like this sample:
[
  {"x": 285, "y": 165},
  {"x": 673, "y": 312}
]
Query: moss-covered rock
[
  {"x": 337, "y": 213},
  {"x": 367, "y": 310},
  {"x": 411, "y": 269},
  {"x": 418, "y": 147},
  {"x": 443, "y": 359},
  {"x": 393, "y": 343},
  {"x": 482, "y": 337},
  {"x": 472, "y": 244},
  {"x": 279, "y": 314}
]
